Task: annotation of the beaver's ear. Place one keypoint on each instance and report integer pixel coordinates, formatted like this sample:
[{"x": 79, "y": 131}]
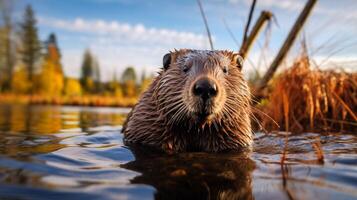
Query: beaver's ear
[
  {"x": 238, "y": 60},
  {"x": 166, "y": 61}
]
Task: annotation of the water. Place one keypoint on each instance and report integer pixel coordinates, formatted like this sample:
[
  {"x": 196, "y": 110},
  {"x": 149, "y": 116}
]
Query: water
[{"x": 53, "y": 152}]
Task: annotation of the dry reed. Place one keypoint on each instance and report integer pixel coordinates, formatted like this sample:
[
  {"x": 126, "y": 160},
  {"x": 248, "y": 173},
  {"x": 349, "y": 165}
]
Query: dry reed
[{"x": 302, "y": 99}]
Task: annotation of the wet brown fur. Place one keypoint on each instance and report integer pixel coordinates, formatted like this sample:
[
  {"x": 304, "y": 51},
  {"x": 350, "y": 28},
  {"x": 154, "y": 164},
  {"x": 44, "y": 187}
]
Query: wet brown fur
[{"x": 165, "y": 116}]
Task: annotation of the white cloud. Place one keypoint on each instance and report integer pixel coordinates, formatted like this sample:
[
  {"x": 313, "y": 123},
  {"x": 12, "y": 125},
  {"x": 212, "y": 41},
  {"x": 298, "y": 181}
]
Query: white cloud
[
  {"x": 129, "y": 33},
  {"x": 280, "y": 4},
  {"x": 118, "y": 44},
  {"x": 345, "y": 63}
]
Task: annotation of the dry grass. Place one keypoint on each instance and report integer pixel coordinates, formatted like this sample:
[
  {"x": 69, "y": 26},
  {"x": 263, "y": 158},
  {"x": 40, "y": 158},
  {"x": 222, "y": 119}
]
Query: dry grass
[
  {"x": 92, "y": 100},
  {"x": 302, "y": 99}
]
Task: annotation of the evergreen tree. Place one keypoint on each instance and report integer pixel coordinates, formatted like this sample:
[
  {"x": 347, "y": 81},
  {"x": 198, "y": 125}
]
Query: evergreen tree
[
  {"x": 87, "y": 72},
  {"x": 30, "y": 51},
  {"x": 7, "y": 47},
  {"x": 129, "y": 82},
  {"x": 52, "y": 40},
  {"x": 129, "y": 74},
  {"x": 53, "y": 52},
  {"x": 97, "y": 80}
]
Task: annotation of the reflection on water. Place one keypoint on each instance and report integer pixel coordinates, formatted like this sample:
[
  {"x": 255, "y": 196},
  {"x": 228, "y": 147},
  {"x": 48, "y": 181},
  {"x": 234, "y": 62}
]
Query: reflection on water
[
  {"x": 54, "y": 152},
  {"x": 53, "y": 119},
  {"x": 194, "y": 175}
]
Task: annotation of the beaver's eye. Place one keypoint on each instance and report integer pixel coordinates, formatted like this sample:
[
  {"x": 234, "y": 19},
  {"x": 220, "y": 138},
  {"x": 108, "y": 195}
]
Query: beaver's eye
[
  {"x": 185, "y": 68},
  {"x": 225, "y": 69}
]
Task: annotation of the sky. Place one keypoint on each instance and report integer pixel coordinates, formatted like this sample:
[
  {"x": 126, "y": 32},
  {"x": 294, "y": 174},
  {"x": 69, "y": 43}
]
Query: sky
[{"x": 122, "y": 33}]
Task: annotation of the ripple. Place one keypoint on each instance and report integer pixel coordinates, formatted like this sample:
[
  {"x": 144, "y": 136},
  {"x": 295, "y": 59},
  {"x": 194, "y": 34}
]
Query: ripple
[{"x": 78, "y": 153}]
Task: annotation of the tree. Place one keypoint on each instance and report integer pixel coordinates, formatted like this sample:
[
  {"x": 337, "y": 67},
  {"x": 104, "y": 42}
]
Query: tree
[
  {"x": 7, "y": 55},
  {"x": 96, "y": 76},
  {"x": 20, "y": 83},
  {"x": 87, "y": 72},
  {"x": 2, "y": 59},
  {"x": 72, "y": 87},
  {"x": 114, "y": 86},
  {"x": 51, "y": 78},
  {"x": 129, "y": 82},
  {"x": 129, "y": 74},
  {"x": 145, "y": 81},
  {"x": 30, "y": 51},
  {"x": 90, "y": 74}
]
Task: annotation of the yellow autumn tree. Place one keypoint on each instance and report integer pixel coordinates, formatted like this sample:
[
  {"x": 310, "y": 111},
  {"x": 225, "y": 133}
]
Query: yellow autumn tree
[
  {"x": 129, "y": 88},
  {"x": 51, "y": 80},
  {"x": 114, "y": 87},
  {"x": 145, "y": 82},
  {"x": 20, "y": 83},
  {"x": 72, "y": 87}
]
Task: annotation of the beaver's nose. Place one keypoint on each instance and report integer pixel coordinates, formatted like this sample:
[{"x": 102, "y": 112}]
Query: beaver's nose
[{"x": 205, "y": 88}]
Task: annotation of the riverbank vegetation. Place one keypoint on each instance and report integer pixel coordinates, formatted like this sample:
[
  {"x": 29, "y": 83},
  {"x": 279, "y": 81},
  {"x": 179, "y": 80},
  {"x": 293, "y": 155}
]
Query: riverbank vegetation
[
  {"x": 31, "y": 70},
  {"x": 304, "y": 98}
]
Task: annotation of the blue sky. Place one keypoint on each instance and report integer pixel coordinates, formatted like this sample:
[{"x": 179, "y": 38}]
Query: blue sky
[{"x": 140, "y": 32}]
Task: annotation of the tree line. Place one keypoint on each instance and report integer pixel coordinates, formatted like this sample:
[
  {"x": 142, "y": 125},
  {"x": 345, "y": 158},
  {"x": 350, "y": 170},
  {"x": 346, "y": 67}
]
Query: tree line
[{"x": 33, "y": 67}]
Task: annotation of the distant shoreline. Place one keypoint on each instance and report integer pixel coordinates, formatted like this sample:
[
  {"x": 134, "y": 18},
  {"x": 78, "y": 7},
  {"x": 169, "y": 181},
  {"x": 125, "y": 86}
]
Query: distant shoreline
[{"x": 86, "y": 100}]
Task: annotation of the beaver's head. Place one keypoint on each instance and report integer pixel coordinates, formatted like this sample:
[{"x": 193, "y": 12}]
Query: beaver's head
[{"x": 202, "y": 86}]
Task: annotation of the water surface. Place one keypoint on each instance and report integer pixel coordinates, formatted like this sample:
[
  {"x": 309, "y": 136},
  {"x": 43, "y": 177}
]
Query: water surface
[{"x": 61, "y": 152}]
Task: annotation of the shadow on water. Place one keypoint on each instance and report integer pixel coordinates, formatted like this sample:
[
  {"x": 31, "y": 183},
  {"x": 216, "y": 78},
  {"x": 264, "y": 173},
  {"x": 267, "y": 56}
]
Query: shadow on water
[{"x": 194, "y": 175}]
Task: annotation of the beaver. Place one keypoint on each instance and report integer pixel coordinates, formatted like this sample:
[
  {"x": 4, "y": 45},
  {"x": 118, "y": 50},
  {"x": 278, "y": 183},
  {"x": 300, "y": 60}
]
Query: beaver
[{"x": 199, "y": 101}]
